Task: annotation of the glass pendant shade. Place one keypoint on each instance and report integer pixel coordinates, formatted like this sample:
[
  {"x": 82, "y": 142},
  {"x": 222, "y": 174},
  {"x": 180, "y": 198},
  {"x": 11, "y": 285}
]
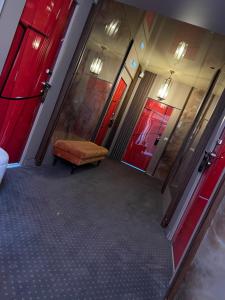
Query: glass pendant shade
[
  {"x": 96, "y": 66},
  {"x": 112, "y": 28},
  {"x": 164, "y": 89},
  {"x": 181, "y": 50}
]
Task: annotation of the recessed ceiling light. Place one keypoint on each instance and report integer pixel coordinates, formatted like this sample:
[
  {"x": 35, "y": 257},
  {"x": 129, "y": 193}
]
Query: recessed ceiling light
[
  {"x": 96, "y": 66},
  {"x": 112, "y": 28},
  {"x": 181, "y": 50}
]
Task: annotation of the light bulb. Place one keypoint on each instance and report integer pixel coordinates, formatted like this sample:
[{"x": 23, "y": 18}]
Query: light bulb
[
  {"x": 112, "y": 28},
  {"x": 164, "y": 89},
  {"x": 181, "y": 50},
  {"x": 96, "y": 66}
]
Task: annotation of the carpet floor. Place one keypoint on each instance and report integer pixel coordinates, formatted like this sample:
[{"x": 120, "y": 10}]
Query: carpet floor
[{"x": 91, "y": 235}]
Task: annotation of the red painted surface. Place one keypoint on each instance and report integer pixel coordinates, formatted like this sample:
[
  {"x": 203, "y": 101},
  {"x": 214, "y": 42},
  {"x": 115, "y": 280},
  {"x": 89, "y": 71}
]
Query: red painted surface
[
  {"x": 198, "y": 203},
  {"x": 116, "y": 99},
  {"x": 149, "y": 128},
  {"x": 34, "y": 49}
]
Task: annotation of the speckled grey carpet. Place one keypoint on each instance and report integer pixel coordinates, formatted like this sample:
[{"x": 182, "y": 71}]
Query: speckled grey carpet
[{"x": 92, "y": 235}]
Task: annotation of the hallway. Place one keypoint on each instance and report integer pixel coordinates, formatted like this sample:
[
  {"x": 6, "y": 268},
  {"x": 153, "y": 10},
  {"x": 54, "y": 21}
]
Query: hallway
[{"x": 93, "y": 235}]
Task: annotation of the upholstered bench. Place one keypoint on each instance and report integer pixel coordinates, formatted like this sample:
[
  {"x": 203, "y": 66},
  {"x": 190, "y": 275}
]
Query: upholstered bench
[
  {"x": 4, "y": 158},
  {"x": 78, "y": 152}
]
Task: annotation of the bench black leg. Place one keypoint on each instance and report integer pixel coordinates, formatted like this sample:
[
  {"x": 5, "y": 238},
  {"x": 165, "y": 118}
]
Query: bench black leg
[
  {"x": 73, "y": 168},
  {"x": 55, "y": 161},
  {"x": 98, "y": 163}
]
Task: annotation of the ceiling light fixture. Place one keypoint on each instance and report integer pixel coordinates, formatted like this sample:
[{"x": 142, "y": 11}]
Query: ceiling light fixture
[
  {"x": 165, "y": 87},
  {"x": 112, "y": 28},
  {"x": 96, "y": 66},
  {"x": 97, "y": 63},
  {"x": 181, "y": 50}
]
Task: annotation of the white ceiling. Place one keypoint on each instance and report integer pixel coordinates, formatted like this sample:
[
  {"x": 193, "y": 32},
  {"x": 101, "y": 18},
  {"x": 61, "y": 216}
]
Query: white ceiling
[
  {"x": 205, "y": 54},
  {"x": 206, "y": 50}
]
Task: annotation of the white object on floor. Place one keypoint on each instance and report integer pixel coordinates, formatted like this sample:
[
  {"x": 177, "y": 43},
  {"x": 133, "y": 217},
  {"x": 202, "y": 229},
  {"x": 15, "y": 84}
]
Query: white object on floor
[{"x": 4, "y": 159}]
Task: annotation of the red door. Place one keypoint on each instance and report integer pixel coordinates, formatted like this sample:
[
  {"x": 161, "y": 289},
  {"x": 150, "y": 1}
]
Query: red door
[
  {"x": 33, "y": 51},
  {"x": 108, "y": 119},
  {"x": 198, "y": 203},
  {"x": 147, "y": 133}
]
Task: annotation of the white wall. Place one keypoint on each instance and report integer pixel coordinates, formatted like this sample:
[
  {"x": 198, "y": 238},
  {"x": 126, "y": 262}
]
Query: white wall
[
  {"x": 208, "y": 14},
  {"x": 9, "y": 19},
  {"x": 1, "y": 5}
]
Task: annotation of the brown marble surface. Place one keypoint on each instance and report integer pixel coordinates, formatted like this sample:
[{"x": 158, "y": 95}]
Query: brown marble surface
[{"x": 180, "y": 132}]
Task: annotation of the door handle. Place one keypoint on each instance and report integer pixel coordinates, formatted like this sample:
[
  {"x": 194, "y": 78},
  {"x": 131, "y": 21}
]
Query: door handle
[
  {"x": 46, "y": 87},
  {"x": 110, "y": 123},
  {"x": 206, "y": 161},
  {"x": 157, "y": 141}
]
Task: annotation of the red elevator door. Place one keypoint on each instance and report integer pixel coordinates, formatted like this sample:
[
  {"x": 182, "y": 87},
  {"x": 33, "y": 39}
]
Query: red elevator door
[
  {"x": 199, "y": 201},
  {"x": 33, "y": 51},
  {"x": 108, "y": 119},
  {"x": 147, "y": 134}
]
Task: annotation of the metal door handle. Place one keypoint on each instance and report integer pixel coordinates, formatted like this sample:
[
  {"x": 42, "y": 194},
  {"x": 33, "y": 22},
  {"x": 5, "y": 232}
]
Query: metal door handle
[
  {"x": 206, "y": 161},
  {"x": 110, "y": 123},
  {"x": 46, "y": 87}
]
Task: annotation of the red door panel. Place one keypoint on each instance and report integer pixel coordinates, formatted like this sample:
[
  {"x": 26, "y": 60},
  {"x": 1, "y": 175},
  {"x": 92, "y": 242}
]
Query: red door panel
[
  {"x": 117, "y": 97},
  {"x": 25, "y": 71},
  {"x": 7, "y": 68},
  {"x": 42, "y": 15},
  {"x": 198, "y": 203},
  {"x": 147, "y": 133},
  {"x": 12, "y": 53}
]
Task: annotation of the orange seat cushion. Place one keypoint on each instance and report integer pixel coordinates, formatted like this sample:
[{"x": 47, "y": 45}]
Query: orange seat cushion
[{"x": 79, "y": 152}]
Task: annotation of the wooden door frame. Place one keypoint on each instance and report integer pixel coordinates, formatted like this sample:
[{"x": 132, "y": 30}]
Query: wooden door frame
[
  {"x": 74, "y": 65},
  {"x": 125, "y": 75},
  {"x": 111, "y": 139},
  {"x": 112, "y": 91},
  {"x": 184, "y": 266},
  {"x": 198, "y": 153}
]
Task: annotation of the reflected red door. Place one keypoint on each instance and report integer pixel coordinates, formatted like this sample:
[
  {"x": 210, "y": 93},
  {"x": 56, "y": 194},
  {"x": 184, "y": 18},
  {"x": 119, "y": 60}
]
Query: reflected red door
[
  {"x": 108, "y": 119},
  {"x": 147, "y": 133},
  {"x": 198, "y": 203},
  {"x": 33, "y": 51}
]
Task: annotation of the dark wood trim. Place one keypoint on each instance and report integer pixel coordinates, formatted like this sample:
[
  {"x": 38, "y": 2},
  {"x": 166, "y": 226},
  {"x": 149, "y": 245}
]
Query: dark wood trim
[
  {"x": 217, "y": 198},
  {"x": 198, "y": 152},
  {"x": 67, "y": 82},
  {"x": 122, "y": 110},
  {"x": 132, "y": 116},
  {"x": 108, "y": 101}
]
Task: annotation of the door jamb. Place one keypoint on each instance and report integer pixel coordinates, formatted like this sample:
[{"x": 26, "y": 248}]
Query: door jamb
[
  {"x": 125, "y": 107},
  {"x": 217, "y": 198},
  {"x": 210, "y": 147},
  {"x": 169, "y": 137},
  {"x": 173, "y": 205},
  {"x": 125, "y": 75},
  {"x": 112, "y": 91},
  {"x": 75, "y": 62}
]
